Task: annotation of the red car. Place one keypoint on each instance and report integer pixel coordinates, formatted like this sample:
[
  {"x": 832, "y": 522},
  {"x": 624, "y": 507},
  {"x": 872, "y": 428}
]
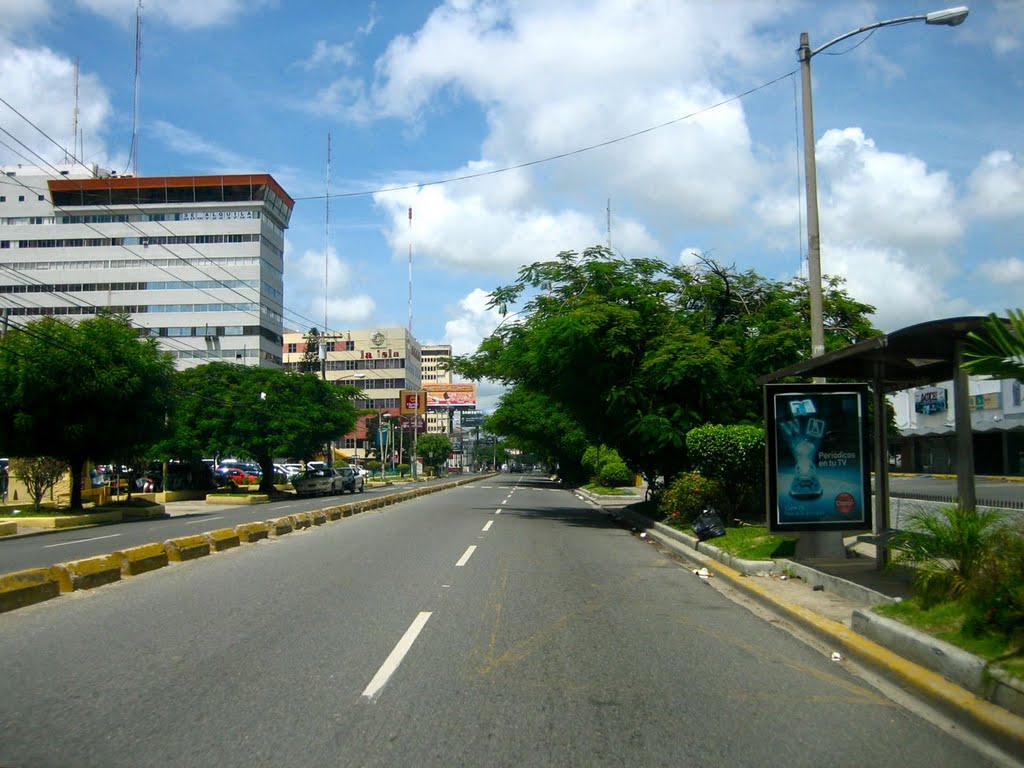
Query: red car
[{"x": 237, "y": 476}]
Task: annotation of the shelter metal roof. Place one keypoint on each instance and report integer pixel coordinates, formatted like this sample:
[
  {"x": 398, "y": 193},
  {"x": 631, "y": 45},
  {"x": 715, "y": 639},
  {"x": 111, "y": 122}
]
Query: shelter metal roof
[{"x": 910, "y": 357}]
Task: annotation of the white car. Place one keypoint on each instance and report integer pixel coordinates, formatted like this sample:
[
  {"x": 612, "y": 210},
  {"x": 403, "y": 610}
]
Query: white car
[
  {"x": 363, "y": 471},
  {"x": 315, "y": 482}
]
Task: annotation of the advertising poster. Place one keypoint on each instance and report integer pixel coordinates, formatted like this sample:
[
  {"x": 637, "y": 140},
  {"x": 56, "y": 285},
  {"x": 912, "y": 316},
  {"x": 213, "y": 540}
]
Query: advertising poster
[
  {"x": 818, "y": 460},
  {"x": 450, "y": 395},
  {"x": 929, "y": 400},
  {"x": 412, "y": 402}
]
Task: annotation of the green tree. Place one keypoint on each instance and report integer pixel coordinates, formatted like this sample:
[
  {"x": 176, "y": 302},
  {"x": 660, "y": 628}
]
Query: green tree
[
  {"x": 732, "y": 456},
  {"x": 998, "y": 350},
  {"x": 91, "y": 389},
  {"x": 638, "y": 352},
  {"x": 260, "y": 413},
  {"x": 39, "y": 474},
  {"x": 434, "y": 449},
  {"x": 310, "y": 360},
  {"x": 538, "y": 426}
]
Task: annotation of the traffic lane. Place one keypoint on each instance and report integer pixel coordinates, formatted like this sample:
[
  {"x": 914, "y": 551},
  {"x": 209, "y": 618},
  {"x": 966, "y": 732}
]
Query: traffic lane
[
  {"x": 995, "y": 490},
  {"x": 77, "y": 543},
  {"x": 254, "y": 656},
  {"x": 573, "y": 643}
]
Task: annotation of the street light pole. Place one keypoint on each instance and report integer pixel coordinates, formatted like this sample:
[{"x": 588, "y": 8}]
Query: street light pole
[
  {"x": 830, "y": 543},
  {"x": 949, "y": 17}
]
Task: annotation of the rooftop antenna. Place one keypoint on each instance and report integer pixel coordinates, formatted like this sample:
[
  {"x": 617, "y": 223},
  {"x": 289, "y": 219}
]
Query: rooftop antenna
[
  {"x": 134, "y": 155},
  {"x": 609, "y": 223},
  {"x": 74, "y": 120},
  {"x": 410, "y": 271},
  {"x": 327, "y": 227}
]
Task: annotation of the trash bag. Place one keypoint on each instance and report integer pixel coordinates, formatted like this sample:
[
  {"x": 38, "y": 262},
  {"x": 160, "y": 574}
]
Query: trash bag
[{"x": 708, "y": 525}]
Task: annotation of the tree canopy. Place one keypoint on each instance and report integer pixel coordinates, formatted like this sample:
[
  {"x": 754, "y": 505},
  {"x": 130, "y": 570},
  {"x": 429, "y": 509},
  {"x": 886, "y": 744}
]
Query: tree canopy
[
  {"x": 998, "y": 350},
  {"x": 635, "y": 353},
  {"x": 80, "y": 391},
  {"x": 258, "y": 413}
]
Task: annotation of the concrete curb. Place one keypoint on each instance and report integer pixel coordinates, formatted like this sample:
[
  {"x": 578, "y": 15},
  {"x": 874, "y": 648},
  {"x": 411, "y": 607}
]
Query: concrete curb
[
  {"x": 187, "y": 548},
  {"x": 88, "y": 573},
  {"x": 982, "y": 717},
  {"x": 223, "y": 538},
  {"x": 142, "y": 559},
  {"x": 33, "y": 585}
]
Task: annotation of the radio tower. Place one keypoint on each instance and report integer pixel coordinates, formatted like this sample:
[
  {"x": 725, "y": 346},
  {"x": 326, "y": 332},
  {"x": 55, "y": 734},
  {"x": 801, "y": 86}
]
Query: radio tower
[
  {"x": 410, "y": 271},
  {"x": 327, "y": 228},
  {"x": 134, "y": 159}
]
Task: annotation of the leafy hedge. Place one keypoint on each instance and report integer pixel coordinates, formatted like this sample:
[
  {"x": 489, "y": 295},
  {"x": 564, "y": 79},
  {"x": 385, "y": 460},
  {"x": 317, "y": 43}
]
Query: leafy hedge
[{"x": 732, "y": 456}]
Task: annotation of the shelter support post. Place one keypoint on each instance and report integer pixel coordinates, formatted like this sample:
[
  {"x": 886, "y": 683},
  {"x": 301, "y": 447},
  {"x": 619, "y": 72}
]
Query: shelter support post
[
  {"x": 880, "y": 522},
  {"x": 964, "y": 441}
]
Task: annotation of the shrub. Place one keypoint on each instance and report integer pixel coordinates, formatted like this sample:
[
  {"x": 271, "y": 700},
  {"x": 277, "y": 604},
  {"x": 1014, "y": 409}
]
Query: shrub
[
  {"x": 688, "y": 495},
  {"x": 995, "y": 591},
  {"x": 403, "y": 470},
  {"x": 945, "y": 548},
  {"x": 596, "y": 456},
  {"x": 734, "y": 457},
  {"x": 613, "y": 474}
]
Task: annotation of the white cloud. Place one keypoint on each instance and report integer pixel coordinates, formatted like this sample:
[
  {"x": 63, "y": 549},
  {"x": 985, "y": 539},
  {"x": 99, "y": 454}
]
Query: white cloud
[
  {"x": 996, "y": 187},
  {"x": 185, "y": 14},
  {"x": 872, "y": 198},
  {"x": 217, "y": 158},
  {"x": 472, "y": 323},
  {"x": 1004, "y": 271},
  {"x": 40, "y": 85},
  {"x": 325, "y": 55},
  {"x": 16, "y": 15},
  {"x": 305, "y": 286}
]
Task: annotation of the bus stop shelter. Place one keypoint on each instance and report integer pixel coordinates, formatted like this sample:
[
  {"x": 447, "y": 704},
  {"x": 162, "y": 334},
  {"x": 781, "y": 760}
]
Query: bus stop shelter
[{"x": 914, "y": 356}]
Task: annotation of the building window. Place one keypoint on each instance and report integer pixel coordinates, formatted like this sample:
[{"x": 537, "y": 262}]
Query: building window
[
  {"x": 40, "y": 198},
  {"x": 21, "y": 198},
  {"x": 3, "y": 198}
]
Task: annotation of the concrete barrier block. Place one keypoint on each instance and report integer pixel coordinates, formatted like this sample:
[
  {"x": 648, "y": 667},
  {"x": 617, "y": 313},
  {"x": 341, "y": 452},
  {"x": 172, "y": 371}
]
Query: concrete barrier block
[
  {"x": 319, "y": 517},
  {"x": 279, "y": 526},
  {"x": 8, "y": 528},
  {"x": 223, "y": 538},
  {"x": 187, "y": 548},
  {"x": 88, "y": 573},
  {"x": 146, "y": 557},
  {"x": 250, "y": 532},
  {"x": 334, "y": 513},
  {"x": 301, "y": 520},
  {"x": 27, "y": 587}
]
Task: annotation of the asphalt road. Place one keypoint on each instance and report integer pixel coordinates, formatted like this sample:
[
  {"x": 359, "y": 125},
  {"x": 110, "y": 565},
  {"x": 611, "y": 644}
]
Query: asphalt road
[
  {"x": 77, "y": 543},
  {"x": 987, "y": 492},
  {"x": 502, "y": 623}
]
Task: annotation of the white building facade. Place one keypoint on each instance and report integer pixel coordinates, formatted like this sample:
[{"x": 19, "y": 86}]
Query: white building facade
[
  {"x": 925, "y": 417},
  {"x": 195, "y": 261}
]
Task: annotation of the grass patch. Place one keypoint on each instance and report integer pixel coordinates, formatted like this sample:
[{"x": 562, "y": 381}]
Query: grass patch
[
  {"x": 946, "y": 622},
  {"x": 600, "y": 490},
  {"x": 753, "y": 542}
]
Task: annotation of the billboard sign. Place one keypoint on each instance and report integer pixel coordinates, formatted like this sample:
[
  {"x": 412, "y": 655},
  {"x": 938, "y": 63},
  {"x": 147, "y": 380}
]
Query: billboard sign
[
  {"x": 411, "y": 402},
  {"x": 450, "y": 395},
  {"x": 930, "y": 400},
  {"x": 472, "y": 418},
  {"x": 819, "y": 475}
]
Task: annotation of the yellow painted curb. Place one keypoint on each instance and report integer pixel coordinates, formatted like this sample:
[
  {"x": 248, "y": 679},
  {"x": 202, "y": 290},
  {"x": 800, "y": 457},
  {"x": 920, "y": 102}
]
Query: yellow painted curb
[
  {"x": 223, "y": 538},
  {"x": 998, "y": 722},
  {"x": 7, "y": 529},
  {"x": 146, "y": 557},
  {"x": 319, "y": 517},
  {"x": 27, "y": 587},
  {"x": 250, "y": 532},
  {"x": 88, "y": 573},
  {"x": 187, "y": 548},
  {"x": 279, "y": 526},
  {"x": 301, "y": 520}
]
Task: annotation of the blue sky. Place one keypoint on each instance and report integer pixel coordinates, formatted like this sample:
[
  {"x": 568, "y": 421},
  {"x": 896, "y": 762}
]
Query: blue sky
[{"x": 919, "y": 135}]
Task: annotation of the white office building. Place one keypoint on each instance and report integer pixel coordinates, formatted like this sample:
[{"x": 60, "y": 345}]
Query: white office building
[{"x": 196, "y": 261}]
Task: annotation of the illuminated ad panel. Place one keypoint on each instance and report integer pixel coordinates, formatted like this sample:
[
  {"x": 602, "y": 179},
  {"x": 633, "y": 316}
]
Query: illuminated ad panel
[{"x": 818, "y": 459}]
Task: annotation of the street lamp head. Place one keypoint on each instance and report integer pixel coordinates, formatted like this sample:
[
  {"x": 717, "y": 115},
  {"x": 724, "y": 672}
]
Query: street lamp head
[{"x": 950, "y": 17}]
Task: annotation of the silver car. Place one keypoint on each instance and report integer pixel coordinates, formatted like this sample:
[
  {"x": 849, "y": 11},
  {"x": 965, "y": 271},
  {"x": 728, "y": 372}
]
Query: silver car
[{"x": 317, "y": 482}]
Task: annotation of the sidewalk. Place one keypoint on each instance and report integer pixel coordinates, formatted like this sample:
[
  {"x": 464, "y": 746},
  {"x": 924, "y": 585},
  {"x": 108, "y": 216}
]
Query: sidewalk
[{"x": 832, "y": 600}]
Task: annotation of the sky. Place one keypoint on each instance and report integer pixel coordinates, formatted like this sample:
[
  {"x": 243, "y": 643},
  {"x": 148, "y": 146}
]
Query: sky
[{"x": 666, "y": 127}]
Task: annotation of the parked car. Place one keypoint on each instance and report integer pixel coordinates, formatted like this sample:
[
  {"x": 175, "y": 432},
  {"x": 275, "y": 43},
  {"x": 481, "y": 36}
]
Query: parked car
[
  {"x": 236, "y": 475},
  {"x": 317, "y": 482},
  {"x": 363, "y": 471},
  {"x": 352, "y": 481}
]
